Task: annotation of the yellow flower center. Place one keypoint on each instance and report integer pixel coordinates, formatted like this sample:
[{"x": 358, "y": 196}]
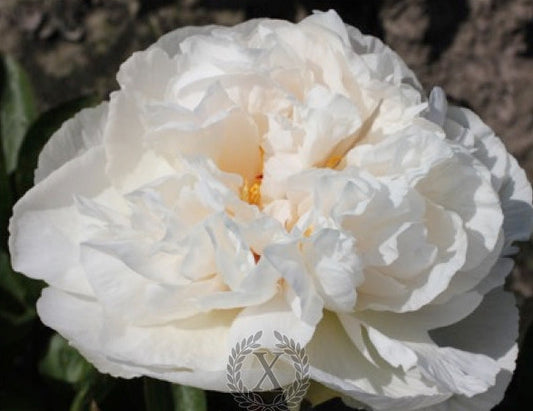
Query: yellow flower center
[
  {"x": 333, "y": 161},
  {"x": 251, "y": 193}
]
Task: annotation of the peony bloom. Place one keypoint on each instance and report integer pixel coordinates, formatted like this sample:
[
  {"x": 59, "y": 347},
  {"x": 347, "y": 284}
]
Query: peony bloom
[{"x": 281, "y": 177}]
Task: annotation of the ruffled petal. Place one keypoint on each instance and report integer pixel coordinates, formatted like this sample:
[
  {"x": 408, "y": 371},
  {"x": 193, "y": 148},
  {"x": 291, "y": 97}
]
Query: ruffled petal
[
  {"x": 337, "y": 364},
  {"x": 508, "y": 178},
  {"x": 45, "y": 228},
  {"x": 495, "y": 320},
  {"x": 186, "y": 352},
  {"x": 76, "y": 136}
]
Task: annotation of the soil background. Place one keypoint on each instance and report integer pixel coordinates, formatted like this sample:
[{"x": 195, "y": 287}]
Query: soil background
[{"x": 479, "y": 51}]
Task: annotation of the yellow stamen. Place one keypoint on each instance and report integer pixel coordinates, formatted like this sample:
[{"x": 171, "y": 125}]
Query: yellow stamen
[
  {"x": 251, "y": 193},
  {"x": 333, "y": 161},
  {"x": 309, "y": 230}
]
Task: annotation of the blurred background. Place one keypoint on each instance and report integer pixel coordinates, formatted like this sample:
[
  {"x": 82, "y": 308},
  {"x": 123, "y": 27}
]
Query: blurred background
[{"x": 479, "y": 51}]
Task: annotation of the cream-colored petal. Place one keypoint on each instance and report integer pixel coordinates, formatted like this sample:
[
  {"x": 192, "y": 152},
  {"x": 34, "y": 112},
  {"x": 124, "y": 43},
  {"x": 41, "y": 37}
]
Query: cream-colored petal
[
  {"x": 186, "y": 353},
  {"x": 495, "y": 321},
  {"x": 45, "y": 230},
  {"x": 76, "y": 136},
  {"x": 337, "y": 364}
]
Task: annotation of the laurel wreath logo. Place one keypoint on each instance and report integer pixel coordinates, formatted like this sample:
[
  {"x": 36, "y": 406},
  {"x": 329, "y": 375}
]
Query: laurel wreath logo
[{"x": 291, "y": 396}]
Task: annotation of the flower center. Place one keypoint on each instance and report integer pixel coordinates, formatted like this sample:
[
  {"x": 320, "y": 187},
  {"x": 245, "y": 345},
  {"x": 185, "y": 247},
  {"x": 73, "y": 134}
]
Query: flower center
[
  {"x": 333, "y": 161},
  {"x": 251, "y": 193}
]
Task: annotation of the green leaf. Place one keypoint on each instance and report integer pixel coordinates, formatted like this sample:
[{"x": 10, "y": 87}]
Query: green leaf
[
  {"x": 25, "y": 290},
  {"x": 6, "y": 203},
  {"x": 17, "y": 110},
  {"x": 158, "y": 395},
  {"x": 17, "y": 302},
  {"x": 164, "y": 396},
  {"x": 39, "y": 133},
  {"x": 82, "y": 400},
  {"x": 10, "y": 281},
  {"x": 62, "y": 362},
  {"x": 189, "y": 398}
]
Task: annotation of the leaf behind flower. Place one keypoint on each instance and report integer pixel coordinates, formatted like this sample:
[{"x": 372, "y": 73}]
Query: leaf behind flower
[
  {"x": 17, "y": 110},
  {"x": 62, "y": 362},
  {"x": 38, "y": 135}
]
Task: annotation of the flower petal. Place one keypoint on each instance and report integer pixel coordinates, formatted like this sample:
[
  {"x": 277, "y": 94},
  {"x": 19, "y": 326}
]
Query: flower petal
[
  {"x": 187, "y": 352},
  {"x": 45, "y": 229},
  {"x": 496, "y": 320},
  {"x": 508, "y": 178},
  {"x": 74, "y": 138},
  {"x": 336, "y": 364}
]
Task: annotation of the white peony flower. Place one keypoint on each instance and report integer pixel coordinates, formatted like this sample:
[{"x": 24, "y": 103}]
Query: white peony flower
[{"x": 289, "y": 177}]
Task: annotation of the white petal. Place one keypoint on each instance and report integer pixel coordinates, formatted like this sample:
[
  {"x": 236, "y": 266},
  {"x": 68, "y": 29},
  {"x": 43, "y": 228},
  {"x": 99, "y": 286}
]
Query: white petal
[
  {"x": 408, "y": 154},
  {"x": 484, "y": 401},
  {"x": 392, "y": 351},
  {"x": 508, "y": 178},
  {"x": 437, "y": 107},
  {"x": 496, "y": 276},
  {"x": 336, "y": 363},
  {"x": 415, "y": 253},
  {"x": 495, "y": 321},
  {"x": 248, "y": 282},
  {"x": 75, "y": 137},
  {"x": 334, "y": 263},
  {"x": 117, "y": 285},
  {"x": 466, "y": 280},
  {"x": 480, "y": 140},
  {"x": 415, "y": 324},
  {"x": 516, "y": 197},
  {"x": 232, "y": 143},
  {"x": 465, "y": 189},
  {"x": 45, "y": 229},
  {"x": 445, "y": 231},
  {"x": 138, "y": 73},
  {"x": 386, "y": 58},
  {"x": 275, "y": 315},
  {"x": 377, "y": 284},
  {"x": 234, "y": 258},
  {"x": 454, "y": 370},
  {"x": 287, "y": 260},
  {"x": 187, "y": 353},
  {"x": 123, "y": 135},
  {"x": 170, "y": 42},
  {"x": 328, "y": 120},
  {"x": 331, "y": 21},
  {"x": 80, "y": 321}
]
